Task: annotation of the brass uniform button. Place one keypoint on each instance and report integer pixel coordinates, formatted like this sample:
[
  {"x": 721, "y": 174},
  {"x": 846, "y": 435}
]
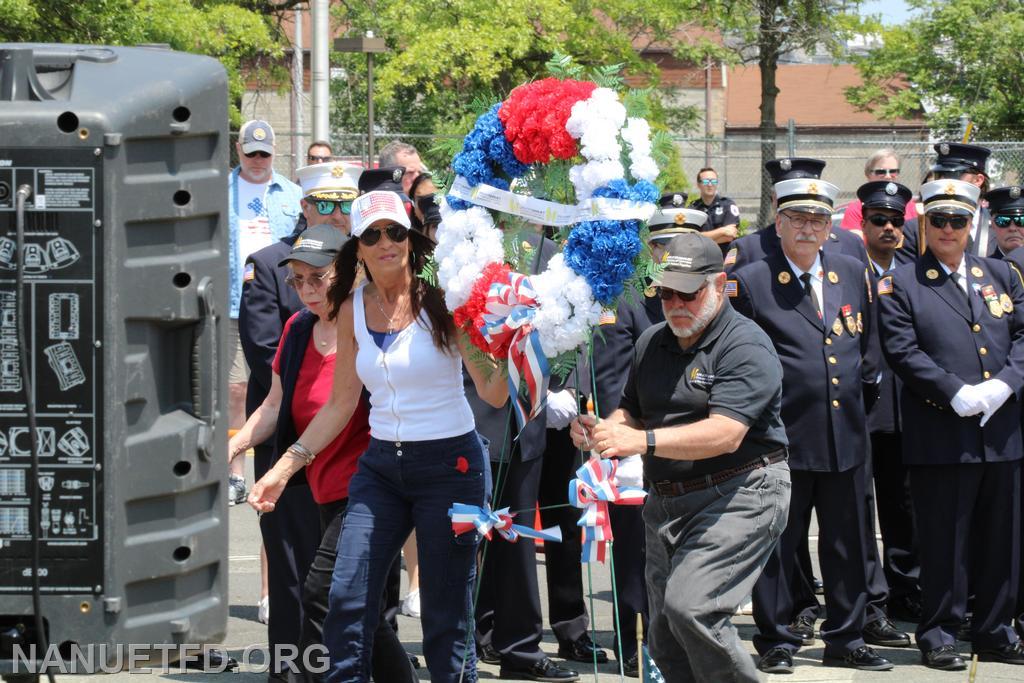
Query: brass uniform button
[
  {"x": 828, "y": 341},
  {"x": 986, "y": 374},
  {"x": 835, "y": 380},
  {"x": 983, "y": 351},
  {"x": 832, "y": 360},
  {"x": 835, "y": 404},
  {"x": 976, "y": 328}
]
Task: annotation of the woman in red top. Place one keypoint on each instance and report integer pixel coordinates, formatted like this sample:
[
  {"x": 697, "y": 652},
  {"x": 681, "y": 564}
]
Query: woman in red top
[{"x": 303, "y": 373}]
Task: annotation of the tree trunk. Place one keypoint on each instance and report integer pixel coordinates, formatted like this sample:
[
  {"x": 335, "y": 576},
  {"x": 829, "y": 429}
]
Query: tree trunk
[{"x": 767, "y": 61}]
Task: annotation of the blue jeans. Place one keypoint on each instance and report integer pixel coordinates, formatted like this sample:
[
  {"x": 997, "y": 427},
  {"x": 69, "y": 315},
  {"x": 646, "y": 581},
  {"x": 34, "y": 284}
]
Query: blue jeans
[
  {"x": 705, "y": 550},
  {"x": 401, "y": 486}
]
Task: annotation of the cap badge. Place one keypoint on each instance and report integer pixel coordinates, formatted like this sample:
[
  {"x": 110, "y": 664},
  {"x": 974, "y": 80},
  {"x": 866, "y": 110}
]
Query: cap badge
[
  {"x": 890, "y": 189},
  {"x": 950, "y": 189},
  {"x": 259, "y": 134},
  {"x": 785, "y": 164},
  {"x": 679, "y": 219},
  {"x": 1014, "y": 192},
  {"x": 396, "y": 175},
  {"x": 337, "y": 171},
  {"x": 649, "y": 292},
  {"x": 677, "y": 200},
  {"x": 931, "y": 274},
  {"x": 812, "y": 188},
  {"x": 977, "y": 272},
  {"x": 784, "y": 278},
  {"x": 943, "y": 148},
  {"x": 832, "y": 277}
]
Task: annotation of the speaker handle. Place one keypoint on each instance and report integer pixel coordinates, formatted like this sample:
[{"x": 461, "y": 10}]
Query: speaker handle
[{"x": 205, "y": 349}]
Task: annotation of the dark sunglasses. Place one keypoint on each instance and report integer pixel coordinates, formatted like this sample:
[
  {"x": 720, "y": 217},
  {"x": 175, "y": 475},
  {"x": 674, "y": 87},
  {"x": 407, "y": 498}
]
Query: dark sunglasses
[
  {"x": 882, "y": 220},
  {"x": 881, "y": 172},
  {"x": 314, "y": 159},
  {"x": 325, "y": 207},
  {"x": 396, "y": 233},
  {"x": 1005, "y": 221},
  {"x": 666, "y": 294},
  {"x": 939, "y": 221},
  {"x": 261, "y": 155}
]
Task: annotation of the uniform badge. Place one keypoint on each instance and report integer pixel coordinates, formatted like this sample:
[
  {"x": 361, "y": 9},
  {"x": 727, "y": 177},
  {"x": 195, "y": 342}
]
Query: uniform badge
[
  {"x": 679, "y": 219},
  {"x": 885, "y": 285},
  {"x": 649, "y": 292},
  {"x": 337, "y": 170},
  {"x": 977, "y": 272},
  {"x": 837, "y": 327},
  {"x": 732, "y": 288},
  {"x": 851, "y": 323},
  {"x": 943, "y": 149},
  {"x": 784, "y": 278},
  {"x": 860, "y": 323},
  {"x": 988, "y": 293},
  {"x": 677, "y": 200},
  {"x": 949, "y": 190},
  {"x": 785, "y": 164},
  {"x": 832, "y": 236},
  {"x": 812, "y": 188},
  {"x": 250, "y": 273},
  {"x": 1006, "y": 303},
  {"x": 1014, "y": 192},
  {"x": 396, "y": 175},
  {"x": 832, "y": 277},
  {"x": 931, "y": 274},
  {"x": 718, "y": 211},
  {"x": 730, "y": 256},
  {"x": 891, "y": 189}
]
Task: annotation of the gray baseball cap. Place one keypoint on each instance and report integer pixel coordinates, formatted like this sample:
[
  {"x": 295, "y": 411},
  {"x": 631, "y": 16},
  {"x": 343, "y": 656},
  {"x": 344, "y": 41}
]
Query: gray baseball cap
[
  {"x": 316, "y": 246},
  {"x": 689, "y": 257},
  {"x": 256, "y": 136}
]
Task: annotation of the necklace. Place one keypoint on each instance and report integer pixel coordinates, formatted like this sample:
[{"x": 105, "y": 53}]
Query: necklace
[
  {"x": 391, "y": 326},
  {"x": 320, "y": 342}
]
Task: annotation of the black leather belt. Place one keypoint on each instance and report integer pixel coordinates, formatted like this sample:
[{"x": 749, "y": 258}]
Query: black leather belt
[{"x": 678, "y": 488}]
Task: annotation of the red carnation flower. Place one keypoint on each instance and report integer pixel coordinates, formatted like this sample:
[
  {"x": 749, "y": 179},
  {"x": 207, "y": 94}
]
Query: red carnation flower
[
  {"x": 469, "y": 315},
  {"x": 535, "y": 114}
]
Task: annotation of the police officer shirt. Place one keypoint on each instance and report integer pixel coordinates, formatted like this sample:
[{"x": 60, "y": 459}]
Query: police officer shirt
[{"x": 731, "y": 370}]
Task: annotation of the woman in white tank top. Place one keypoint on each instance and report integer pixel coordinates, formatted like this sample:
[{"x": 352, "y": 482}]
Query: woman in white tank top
[{"x": 396, "y": 339}]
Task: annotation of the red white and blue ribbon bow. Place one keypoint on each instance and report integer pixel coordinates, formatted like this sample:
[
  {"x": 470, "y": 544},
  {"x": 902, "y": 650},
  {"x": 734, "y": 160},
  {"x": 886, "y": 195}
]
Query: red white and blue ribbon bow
[
  {"x": 508, "y": 321},
  {"x": 467, "y": 518},
  {"x": 595, "y": 487}
]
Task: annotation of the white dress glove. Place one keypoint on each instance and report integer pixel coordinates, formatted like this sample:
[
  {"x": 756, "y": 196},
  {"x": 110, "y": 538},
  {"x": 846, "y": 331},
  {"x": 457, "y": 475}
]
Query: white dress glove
[
  {"x": 994, "y": 393},
  {"x": 630, "y": 472},
  {"x": 968, "y": 401},
  {"x": 562, "y": 408}
]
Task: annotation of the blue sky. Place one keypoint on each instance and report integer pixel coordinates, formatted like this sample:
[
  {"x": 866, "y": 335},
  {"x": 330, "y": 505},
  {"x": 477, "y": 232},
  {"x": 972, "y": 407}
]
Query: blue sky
[{"x": 892, "y": 11}]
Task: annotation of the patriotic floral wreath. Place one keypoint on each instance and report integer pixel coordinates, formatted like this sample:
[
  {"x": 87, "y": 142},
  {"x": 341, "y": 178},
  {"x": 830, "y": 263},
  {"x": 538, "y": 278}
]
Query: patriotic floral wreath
[{"x": 532, "y": 319}]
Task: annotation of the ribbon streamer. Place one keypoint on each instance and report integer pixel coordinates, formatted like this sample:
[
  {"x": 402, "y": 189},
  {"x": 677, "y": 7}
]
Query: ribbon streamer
[
  {"x": 508, "y": 323},
  {"x": 551, "y": 213},
  {"x": 594, "y": 488},
  {"x": 466, "y": 518}
]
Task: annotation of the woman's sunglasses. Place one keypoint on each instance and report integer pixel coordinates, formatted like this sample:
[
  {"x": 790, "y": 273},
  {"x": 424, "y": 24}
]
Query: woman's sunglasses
[
  {"x": 325, "y": 207},
  {"x": 1005, "y": 221},
  {"x": 881, "y": 220},
  {"x": 395, "y": 232},
  {"x": 939, "y": 221},
  {"x": 666, "y": 294}
]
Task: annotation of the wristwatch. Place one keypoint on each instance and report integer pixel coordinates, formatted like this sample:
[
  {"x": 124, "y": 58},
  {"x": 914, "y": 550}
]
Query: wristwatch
[{"x": 650, "y": 442}]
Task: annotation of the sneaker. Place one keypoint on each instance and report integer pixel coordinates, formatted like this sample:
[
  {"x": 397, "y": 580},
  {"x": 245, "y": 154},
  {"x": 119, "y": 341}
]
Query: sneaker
[
  {"x": 236, "y": 489},
  {"x": 411, "y": 604},
  {"x": 263, "y": 610}
]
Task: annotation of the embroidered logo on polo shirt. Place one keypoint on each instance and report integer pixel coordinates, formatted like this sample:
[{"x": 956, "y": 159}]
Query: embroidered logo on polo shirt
[{"x": 701, "y": 379}]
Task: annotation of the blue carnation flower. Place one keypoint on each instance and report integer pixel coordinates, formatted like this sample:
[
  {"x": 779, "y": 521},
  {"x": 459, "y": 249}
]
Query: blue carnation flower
[{"x": 602, "y": 252}]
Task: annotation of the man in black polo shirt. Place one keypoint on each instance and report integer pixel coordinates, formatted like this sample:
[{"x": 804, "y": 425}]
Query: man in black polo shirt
[{"x": 702, "y": 403}]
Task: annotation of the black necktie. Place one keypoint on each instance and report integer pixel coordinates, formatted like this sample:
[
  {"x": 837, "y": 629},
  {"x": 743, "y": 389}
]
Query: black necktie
[
  {"x": 955, "y": 277},
  {"x": 809, "y": 291}
]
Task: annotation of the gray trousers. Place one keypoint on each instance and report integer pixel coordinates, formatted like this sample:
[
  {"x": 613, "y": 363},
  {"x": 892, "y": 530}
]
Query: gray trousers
[{"x": 705, "y": 550}]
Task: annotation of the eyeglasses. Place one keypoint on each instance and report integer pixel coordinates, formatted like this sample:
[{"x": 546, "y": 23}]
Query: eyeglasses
[
  {"x": 709, "y": 181},
  {"x": 883, "y": 172},
  {"x": 799, "y": 222},
  {"x": 396, "y": 233},
  {"x": 261, "y": 155},
  {"x": 881, "y": 220},
  {"x": 325, "y": 207},
  {"x": 1005, "y": 221},
  {"x": 666, "y": 294},
  {"x": 315, "y": 159},
  {"x": 940, "y": 221},
  {"x": 316, "y": 281}
]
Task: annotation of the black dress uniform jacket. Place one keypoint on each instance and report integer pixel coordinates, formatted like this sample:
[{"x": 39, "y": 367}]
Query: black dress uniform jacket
[
  {"x": 824, "y": 360},
  {"x": 765, "y": 242},
  {"x": 613, "y": 350},
  {"x": 936, "y": 353}
]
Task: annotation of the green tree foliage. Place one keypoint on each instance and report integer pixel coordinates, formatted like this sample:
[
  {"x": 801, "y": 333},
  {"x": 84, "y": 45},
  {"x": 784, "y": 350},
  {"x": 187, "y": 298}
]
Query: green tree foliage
[
  {"x": 233, "y": 31},
  {"x": 959, "y": 58}
]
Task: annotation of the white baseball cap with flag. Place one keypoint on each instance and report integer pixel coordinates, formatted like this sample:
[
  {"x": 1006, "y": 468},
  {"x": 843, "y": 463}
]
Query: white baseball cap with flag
[{"x": 376, "y": 206}]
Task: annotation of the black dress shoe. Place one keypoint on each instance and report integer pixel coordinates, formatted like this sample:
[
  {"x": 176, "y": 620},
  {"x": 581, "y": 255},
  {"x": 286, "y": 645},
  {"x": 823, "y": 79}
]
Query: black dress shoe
[
  {"x": 803, "y": 628},
  {"x": 583, "y": 649},
  {"x": 944, "y": 658},
  {"x": 631, "y": 667},
  {"x": 884, "y": 633},
  {"x": 487, "y": 654},
  {"x": 544, "y": 670},
  {"x": 211, "y": 661},
  {"x": 1007, "y": 654},
  {"x": 905, "y": 608},
  {"x": 863, "y": 658},
  {"x": 777, "y": 660}
]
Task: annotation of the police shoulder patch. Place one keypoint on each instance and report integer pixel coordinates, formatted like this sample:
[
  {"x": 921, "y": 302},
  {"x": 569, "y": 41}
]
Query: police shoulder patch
[
  {"x": 250, "y": 272},
  {"x": 734, "y": 210},
  {"x": 732, "y": 288},
  {"x": 885, "y": 285}
]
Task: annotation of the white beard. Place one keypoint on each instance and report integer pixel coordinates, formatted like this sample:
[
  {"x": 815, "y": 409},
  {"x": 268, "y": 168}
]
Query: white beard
[{"x": 700, "y": 320}]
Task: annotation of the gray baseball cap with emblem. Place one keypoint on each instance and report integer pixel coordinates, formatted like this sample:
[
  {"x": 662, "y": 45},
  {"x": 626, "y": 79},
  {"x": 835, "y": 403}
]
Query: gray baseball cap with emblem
[
  {"x": 256, "y": 136},
  {"x": 688, "y": 259}
]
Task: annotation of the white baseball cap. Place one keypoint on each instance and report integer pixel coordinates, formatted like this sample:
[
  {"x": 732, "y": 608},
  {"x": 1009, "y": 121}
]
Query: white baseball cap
[{"x": 375, "y": 206}]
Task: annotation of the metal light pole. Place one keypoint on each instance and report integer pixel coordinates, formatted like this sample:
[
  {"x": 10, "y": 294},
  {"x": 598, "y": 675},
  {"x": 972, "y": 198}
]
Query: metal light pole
[
  {"x": 320, "y": 67},
  {"x": 297, "y": 93},
  {"x": 367, "y": 44}
]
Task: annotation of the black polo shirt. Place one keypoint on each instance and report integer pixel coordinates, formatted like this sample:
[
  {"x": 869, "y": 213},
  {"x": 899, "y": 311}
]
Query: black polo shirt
[
  {"x": 722, "y": 211},
  {"x": 732, "y": 370}
]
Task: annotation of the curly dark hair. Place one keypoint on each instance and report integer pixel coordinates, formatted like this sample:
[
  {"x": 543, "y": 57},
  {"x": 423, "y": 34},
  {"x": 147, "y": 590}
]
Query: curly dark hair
[{"x": 423, "y": 296}]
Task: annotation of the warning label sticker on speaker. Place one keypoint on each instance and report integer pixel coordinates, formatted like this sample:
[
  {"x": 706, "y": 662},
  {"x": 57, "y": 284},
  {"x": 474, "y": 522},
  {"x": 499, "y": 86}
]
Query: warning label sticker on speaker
[{"x": 61, "y": 320}]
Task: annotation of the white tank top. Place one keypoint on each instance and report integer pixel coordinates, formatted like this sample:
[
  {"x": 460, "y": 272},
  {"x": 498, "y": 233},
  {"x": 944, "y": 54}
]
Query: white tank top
[{"x": 415, "y": 390}]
